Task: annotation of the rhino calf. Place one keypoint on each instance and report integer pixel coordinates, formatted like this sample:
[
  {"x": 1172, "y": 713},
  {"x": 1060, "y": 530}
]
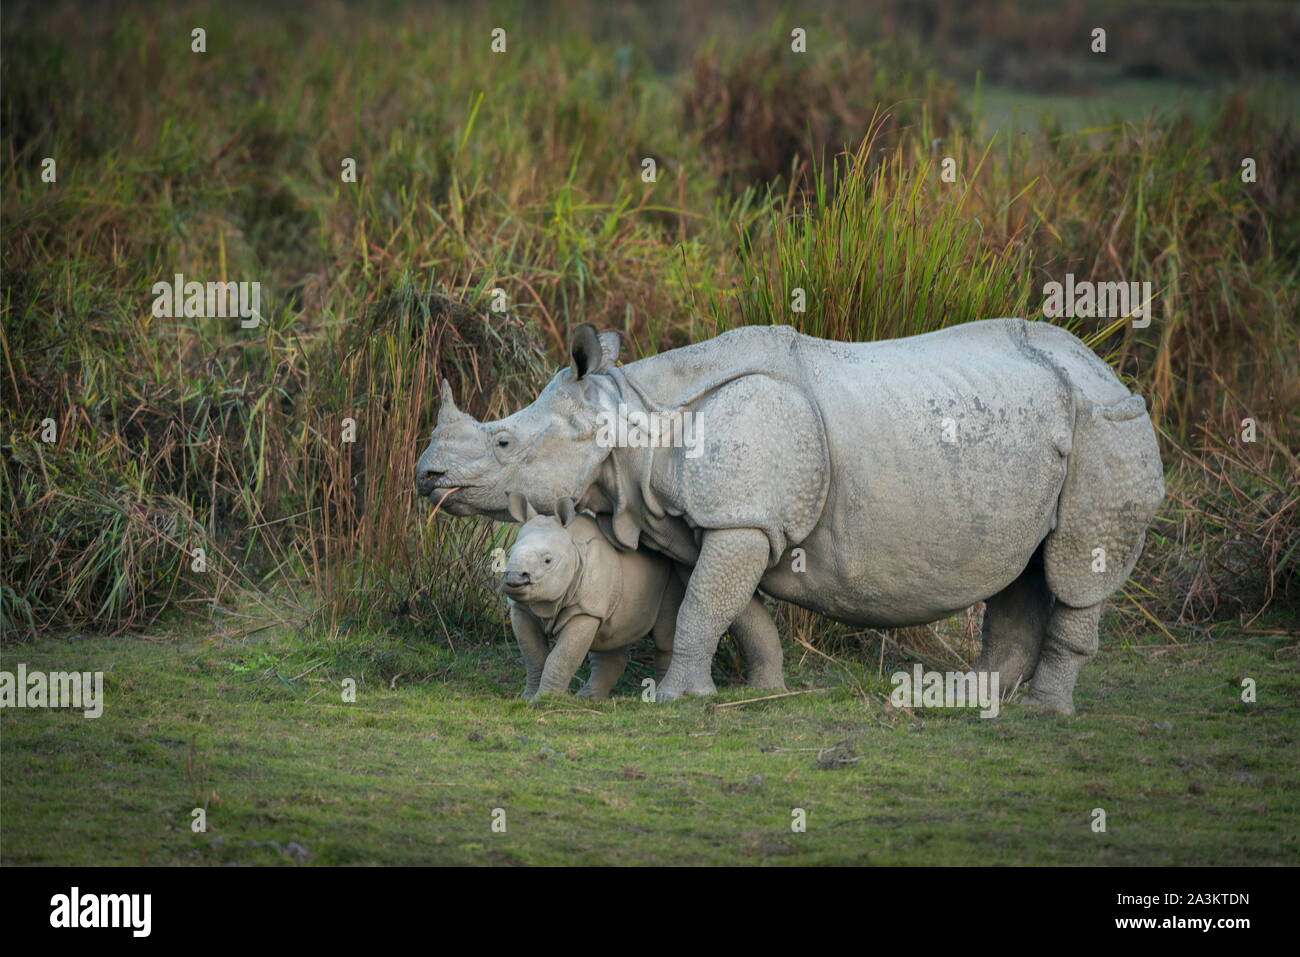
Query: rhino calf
[{"x": 567, "y": 584}]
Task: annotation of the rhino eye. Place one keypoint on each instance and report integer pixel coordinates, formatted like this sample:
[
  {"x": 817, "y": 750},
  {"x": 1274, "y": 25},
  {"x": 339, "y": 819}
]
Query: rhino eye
[{"x": 503, "y": 442}]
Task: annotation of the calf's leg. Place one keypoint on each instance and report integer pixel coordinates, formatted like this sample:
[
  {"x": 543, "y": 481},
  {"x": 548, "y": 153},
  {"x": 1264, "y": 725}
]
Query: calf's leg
[
  {"x": 532, "y": 646},
  {"x": 571, "y": 646},
  {"x": 606, "y": 668}
]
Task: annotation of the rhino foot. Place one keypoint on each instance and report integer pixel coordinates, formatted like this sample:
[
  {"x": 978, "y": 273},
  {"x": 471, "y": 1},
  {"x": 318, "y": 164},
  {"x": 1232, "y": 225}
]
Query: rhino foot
[
  {"x": 674, "y": 686},
  {"x": 1047, "y": 701},
  {"x": 1071, "y": 642},
  {"x": 767, "y": 679},
  {"x": 1012, "y": 671}
]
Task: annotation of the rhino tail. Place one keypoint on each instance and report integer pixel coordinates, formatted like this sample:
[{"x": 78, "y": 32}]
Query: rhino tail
[{"x": 1125, "y": 409}]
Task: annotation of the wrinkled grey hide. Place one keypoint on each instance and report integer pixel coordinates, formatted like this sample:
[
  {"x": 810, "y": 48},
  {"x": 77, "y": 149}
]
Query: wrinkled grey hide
[
  {"x": 998, "y": 460},
  {"x": 567, "y": 585},
  {"x": 463, "y": 471}
]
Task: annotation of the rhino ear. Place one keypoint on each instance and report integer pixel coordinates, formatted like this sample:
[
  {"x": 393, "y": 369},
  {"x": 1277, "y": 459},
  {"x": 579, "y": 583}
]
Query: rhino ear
[
  {"x": 593, "y": 351},
  {"x": 584, "y": 350},
  {"x": 565, "y": 511},
  {"x": 611, "y": 344},
  {"x": 519, "y": 508},
  {"x": 447, "y": 410}
]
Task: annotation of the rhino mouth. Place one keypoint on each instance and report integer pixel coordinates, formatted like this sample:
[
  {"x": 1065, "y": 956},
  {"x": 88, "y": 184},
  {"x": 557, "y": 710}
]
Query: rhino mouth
[{"x": 446, "y": 490}]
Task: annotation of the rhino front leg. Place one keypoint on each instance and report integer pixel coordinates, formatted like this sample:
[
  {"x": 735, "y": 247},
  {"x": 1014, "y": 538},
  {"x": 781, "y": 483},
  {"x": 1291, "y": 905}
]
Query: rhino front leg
[
  {"x": 606, "y": 668},
  {"x": 760, "y": 643},
  {"x": 665, "y": 628},
  {"x": 571, "y": 646},
  {"x": 532, "y": 646},
  {"x": 731, "y": 562}
]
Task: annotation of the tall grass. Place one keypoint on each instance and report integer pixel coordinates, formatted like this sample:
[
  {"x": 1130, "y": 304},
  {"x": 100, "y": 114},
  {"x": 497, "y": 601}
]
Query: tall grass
[
  {"x": 878, "y": 251},
  {"x": 522, "y": 173}
]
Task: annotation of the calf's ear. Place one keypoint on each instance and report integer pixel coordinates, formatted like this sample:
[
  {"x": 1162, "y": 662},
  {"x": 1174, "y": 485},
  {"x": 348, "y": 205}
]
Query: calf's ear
[
  {"x": 591, "y": 351},
  {"x": 519, "y": 508},
  {"x": 565, "y": 511}
]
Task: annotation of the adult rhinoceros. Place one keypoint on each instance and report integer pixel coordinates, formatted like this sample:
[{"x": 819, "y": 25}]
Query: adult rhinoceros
[
  {"x": 881, "y": 484},
  {"x": 472, "y": 482}
]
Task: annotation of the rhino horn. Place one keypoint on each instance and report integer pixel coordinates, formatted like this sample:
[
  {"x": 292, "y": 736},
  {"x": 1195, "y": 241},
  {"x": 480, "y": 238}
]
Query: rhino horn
[{"x": 447, "y": 411}]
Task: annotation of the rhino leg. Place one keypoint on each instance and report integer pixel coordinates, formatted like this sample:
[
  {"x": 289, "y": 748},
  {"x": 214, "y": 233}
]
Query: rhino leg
[
  {"x": 665, "y": 627},
  {"x": 663, "y": 661},
  {"x": 1015, "y": 621},
  {"x": 726, "y": 574},
  {"x": 606, "y": 668},
  {"x": 760, "y": 643},
  {"x": 532, "y": 646},
  {"x": 1071, "y": 643},
  {"x": 571, "y": 647},
  {"x": 1113, "y": 486}
]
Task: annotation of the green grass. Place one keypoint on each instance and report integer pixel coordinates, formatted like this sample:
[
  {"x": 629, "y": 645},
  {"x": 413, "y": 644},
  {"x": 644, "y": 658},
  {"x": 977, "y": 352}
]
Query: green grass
[{"x": 412, "y": 771}]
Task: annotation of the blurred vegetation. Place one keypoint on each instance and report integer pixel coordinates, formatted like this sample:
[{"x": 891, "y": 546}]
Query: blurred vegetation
[{"x": 522, "y": 172}]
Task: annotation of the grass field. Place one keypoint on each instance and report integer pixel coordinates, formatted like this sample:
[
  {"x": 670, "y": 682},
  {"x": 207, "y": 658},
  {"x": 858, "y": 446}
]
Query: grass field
[
  {"x": 130, "y": 440},
  {"x": 256, "y": 733}
]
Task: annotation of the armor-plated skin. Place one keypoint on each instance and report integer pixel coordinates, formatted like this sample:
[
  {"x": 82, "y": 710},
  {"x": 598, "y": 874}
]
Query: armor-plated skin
[
  {"x": 462, "y": 472},
  {"x": 998, "y": 460}
]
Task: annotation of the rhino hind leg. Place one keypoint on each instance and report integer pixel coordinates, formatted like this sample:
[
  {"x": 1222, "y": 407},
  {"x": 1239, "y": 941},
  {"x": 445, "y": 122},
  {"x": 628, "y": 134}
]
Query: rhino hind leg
[
  {"x": 1114, "y": 485},
  {"x": 1015, "y": 623},
  {"x": 606, "y": 668},
  {"x": 760, "y": 646},
  {"x": 1070, "y": 644}
]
